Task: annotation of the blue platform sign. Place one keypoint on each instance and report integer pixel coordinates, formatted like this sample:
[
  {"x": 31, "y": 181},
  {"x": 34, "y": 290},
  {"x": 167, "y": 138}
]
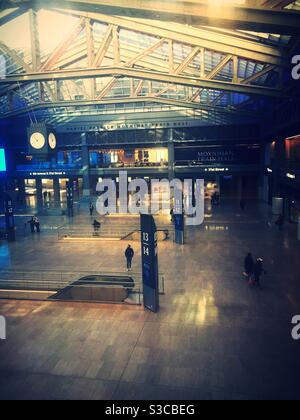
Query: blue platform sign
[
  {"x": 179, "y": 221},
  {"x": 9, "y": 218},
  {"x": 150, "y": 263},
  {"x": 179, "y": 228},
  {"x": 70, "y": 199}
]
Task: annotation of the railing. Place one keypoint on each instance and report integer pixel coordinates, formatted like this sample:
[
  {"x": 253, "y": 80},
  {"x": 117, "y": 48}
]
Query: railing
[
  {"x": 46, "y": 284},
  {"x": 201, "y": 163},
  {"x": 49, "y": 166},
  {"x": 138, "y": 165},
  {"x": 109, "y": 232}
]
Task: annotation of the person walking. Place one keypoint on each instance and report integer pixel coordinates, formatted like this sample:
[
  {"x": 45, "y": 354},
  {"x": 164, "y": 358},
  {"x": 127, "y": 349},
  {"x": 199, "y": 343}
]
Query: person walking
[
  {"x": 97, "y": 226},
  {"x": 37, "y": 224},
  {"x": 32, "y": 224},
  {"x": 258, "y": 271},
  {"x": 172, "y": 215},
  {"x": 91, "y": 209},
  {"x": 129, "y": 254},
  {"x": 249, "y": 267}
]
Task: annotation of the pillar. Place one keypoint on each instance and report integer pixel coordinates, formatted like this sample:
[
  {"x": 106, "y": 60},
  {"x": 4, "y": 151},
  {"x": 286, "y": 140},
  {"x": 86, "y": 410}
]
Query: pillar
[
  {"x": 39, "y": 192},
  {"x": 240, "y": 187},
  {"x": 76, "y": 188},
  {"x": 265, "y": 161},
  {"x": 22, "y": 191},
  {"x": 56, "y": 188},
  {"x": 86, "y": 166},
  {"x": 278, "y": 164},
  {"x": 171, "y": 155}
]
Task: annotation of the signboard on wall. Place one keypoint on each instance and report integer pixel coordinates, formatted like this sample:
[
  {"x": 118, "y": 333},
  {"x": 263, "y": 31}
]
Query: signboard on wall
[
  {"x": 219, "y": 155},
  {"x": 150, "y": 263}
]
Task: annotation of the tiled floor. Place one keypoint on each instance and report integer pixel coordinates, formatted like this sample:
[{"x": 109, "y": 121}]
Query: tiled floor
[{"x": 213, "y": 338}]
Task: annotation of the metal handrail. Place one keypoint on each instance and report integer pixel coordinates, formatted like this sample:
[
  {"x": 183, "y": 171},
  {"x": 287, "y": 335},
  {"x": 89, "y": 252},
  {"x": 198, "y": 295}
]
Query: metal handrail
[{"x": 62, "y": 279}]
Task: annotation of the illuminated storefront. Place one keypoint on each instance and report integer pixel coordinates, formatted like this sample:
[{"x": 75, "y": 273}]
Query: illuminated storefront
[{"x": 128, "y": 158}]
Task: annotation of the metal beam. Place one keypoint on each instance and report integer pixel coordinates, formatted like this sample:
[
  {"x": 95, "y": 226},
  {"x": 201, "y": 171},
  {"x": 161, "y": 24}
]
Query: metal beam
[
  {"x": 207, "y": 38},
  {"x": 90, "y": 54},
  {"x": 187, "y": 61},
  {"x": 219, "y": 67},
  {"x": 104, "y": 46},
  {"x": 187, "y": 12},
  {"x": 61, "y": 49},
  {"x": 35, "y": 42},
  {"x": 15, "y": 57},
  {"x": 8, "y": 15},
  {"x": 139, "y": 74},
  {"x": 137, "y": 100}
]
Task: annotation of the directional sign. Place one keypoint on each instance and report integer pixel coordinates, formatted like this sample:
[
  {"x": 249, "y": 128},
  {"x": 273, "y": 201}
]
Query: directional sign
[
  {"x": 9, "y": 218},
  {"x": 150, "y": 263}
]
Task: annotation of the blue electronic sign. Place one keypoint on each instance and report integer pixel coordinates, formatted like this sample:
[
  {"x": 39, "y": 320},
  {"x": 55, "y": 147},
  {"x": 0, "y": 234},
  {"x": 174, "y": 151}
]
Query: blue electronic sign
[
  {"x": 2, "y": 161},
  {"x": 149, "y": 263}
]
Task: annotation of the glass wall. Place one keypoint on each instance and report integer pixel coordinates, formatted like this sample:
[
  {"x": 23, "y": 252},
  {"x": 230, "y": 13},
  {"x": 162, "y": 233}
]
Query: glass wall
[
  {"x": 293, "y": 150},
  {"x": 70, "y": 158},
  {"x": 140, "y": 157}
]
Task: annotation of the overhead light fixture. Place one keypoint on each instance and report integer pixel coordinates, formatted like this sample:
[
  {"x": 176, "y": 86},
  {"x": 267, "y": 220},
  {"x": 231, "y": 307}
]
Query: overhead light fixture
[{"x": 291, "y": 176}]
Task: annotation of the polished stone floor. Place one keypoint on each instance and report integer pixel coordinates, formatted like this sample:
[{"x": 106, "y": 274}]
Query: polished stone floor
[{"x": 214, "y": 338}]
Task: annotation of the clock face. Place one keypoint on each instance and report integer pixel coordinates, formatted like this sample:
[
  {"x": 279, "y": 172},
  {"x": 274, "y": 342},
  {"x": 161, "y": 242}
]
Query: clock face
[
  {"x": 37, "y": 141},
  {"x": 52, "y": 141}
]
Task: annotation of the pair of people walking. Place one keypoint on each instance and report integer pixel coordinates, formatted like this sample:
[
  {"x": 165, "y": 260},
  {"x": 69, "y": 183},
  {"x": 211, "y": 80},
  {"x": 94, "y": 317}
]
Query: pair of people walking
[
  {"x": 34, "y": 224},
  {"x": 254, "y": 270}
]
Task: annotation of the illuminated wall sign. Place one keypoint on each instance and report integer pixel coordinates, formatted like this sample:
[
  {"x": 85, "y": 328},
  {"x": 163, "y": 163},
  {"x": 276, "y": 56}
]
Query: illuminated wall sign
[
  {"x": 2, "y": 161},
  {"x": 223, "y": 155},
  {"x": 291, "y": 176},
  {"x": 216, "y": 169},
  {"x": 47, "y": 173},
  {"x": 124, "y": 126}
]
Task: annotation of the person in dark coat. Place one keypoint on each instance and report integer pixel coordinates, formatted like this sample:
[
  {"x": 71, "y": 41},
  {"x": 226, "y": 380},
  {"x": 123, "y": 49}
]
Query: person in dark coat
[
  {"x": 258, "y": 271},
  {"x": 129, "y": 254},
  {"x": 32, "y": 224},
  {"x": 249, "y": 266},
  {"x": 91, "y": 209},
  {"x": 97, "y": 226},
  {"x": 37, "y": 224},
  {"x": 172, "y": 215}
]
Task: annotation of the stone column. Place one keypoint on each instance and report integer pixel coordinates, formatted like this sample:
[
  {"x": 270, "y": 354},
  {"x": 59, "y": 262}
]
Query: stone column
[
  {"x": 39, "y": 192},
  {"x": 56, "y": 188},
  {"x": 86, "y": 166},
  {"x": 171, "y": 155},
  {"x": 278, "y": 163},
  {"x": 22, "y": 191}
]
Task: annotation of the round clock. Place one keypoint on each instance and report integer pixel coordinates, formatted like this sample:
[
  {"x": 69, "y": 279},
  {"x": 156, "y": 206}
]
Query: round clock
[
  {"x": 37, "y": 141},
  {"x": 52, "y": 141}
]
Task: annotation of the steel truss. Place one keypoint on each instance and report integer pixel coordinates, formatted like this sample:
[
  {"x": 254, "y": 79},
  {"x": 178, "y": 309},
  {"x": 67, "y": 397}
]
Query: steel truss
[{"x": 91, "y": 67}]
